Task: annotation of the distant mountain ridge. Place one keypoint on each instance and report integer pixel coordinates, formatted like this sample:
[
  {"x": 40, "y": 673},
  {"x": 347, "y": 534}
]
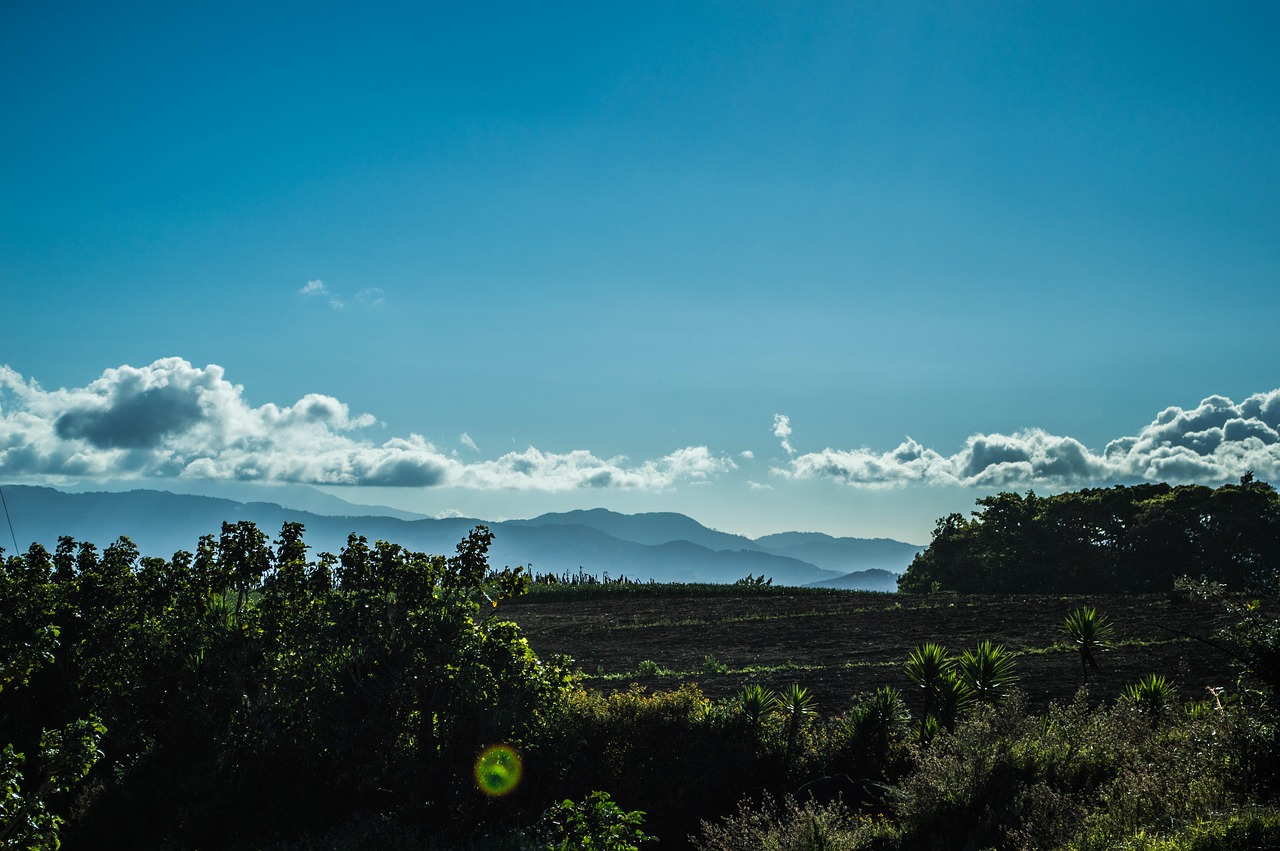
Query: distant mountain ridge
[{"x": 663, "y": 546}]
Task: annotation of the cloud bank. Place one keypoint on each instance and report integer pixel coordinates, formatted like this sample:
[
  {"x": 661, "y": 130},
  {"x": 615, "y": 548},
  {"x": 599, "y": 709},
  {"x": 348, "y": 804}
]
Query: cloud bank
[
  {"x": 1217, "y": 441},
  {"x": 171, "y": 419}
]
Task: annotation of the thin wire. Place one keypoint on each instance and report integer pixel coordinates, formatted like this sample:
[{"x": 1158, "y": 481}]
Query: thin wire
[{"x": 10, "y": 519}]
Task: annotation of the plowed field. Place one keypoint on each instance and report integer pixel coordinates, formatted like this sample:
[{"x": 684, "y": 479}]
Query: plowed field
[{"x": 840, "y": 643}]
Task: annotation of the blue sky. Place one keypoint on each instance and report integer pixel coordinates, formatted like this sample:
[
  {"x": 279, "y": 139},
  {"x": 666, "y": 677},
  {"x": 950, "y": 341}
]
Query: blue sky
[{"x": 956, "y": 247}]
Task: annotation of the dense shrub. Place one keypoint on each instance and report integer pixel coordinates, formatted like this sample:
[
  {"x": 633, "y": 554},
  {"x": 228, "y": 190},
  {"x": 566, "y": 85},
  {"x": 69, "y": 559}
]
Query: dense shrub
[
  {"x": 790, "y": 826},
  {"x": 247, "y": 691},
  {"x": 673, "y": 754}
]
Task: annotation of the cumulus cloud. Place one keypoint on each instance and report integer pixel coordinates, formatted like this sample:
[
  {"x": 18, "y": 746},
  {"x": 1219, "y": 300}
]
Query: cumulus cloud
[
  {"x": 782, "y": 431},
  {"x": 171, "y": 419},
  {"x": 1217, "y": 441}
]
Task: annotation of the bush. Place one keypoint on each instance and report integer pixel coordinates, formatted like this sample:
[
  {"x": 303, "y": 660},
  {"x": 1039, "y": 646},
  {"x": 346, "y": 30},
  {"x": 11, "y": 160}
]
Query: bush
[
  {"x": 594, "y": 824},
  {"x": 790, "y": 826},
  {"x": 673, "y": 754}
]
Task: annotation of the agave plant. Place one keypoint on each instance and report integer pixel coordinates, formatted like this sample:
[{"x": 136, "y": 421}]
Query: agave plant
[
  {"x": 986, "y": 670},
  {"x": 1091, "y": 632}
]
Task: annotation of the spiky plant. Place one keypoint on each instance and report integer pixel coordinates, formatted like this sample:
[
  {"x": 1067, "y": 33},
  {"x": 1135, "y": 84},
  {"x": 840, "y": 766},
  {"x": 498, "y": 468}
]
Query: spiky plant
[
  {"x": 1091, "y": 632},
  {"x": 754, "y": 703},
  {"x": 987, "y": 670},
  {"x": 1151, "y": 695},
  {"x": 876, "y": 722},
  {"x": 952, "y": 696},
  {"x": 927, "y": 667},
  {"x": 795, "y": 704}
]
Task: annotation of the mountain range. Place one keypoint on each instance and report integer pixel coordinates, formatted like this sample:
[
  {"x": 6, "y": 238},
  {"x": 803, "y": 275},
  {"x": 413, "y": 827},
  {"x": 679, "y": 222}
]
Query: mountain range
[{"x": 665, "y": 547}]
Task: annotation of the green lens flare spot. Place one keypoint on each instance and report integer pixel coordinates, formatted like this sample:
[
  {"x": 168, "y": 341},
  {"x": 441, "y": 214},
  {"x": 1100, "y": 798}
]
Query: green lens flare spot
[{"x": 498, "y": 770}]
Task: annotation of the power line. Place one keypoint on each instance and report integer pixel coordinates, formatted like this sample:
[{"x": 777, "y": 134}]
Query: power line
[{"x": 5, "y": 502}]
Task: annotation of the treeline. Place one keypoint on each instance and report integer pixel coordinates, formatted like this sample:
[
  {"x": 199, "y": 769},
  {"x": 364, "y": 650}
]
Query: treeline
[
  {"x": 250, "y": 696},
  {"x": 246, "y": 690},
  {"x": 1122, "y": 539}
]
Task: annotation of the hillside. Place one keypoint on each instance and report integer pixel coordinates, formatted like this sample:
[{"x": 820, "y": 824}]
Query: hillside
[{"x": 663, "y": 547}]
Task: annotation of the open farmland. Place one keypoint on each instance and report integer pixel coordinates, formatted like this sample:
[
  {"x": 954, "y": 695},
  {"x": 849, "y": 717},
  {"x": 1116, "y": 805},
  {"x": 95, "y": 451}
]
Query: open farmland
[{"x": 840, "y": 643}]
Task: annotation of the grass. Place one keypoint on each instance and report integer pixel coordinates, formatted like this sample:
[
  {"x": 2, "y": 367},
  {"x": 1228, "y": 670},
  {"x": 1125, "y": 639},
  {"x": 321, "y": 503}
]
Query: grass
[{"x": 1247, "y": 830}]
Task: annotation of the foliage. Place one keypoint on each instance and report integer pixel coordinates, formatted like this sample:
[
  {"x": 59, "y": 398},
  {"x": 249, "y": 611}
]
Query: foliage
[
  {"x": 754, "y": 703},
  {"x": 1237, "y": 831},
  {"x": 249, "y": 695},
  {"x": 594, "y": 824},
  {"x": 650, "y": 668},
  {"x": 246, "y": 678},
  {"x": 796, "y": 705},
  {"x": 1123, "y": 539},
  {"x": 987, "y": 671},
  {"x": 875, "y": 734},
  {"x": 1010, "y": 779},
  {"x": 944, "y": 692},
  {"x": 674, "y": 754},
  {"x": 66, "y": 757},
  {"x": 751, "y": 581},
  {"x": 712, "y": 665},
  {"x": 1091, "y": 632},
  {"x": 1152, "y": 695},
  {"x": 1253, "y": 640},
  {"x": 790, "y": 826}
]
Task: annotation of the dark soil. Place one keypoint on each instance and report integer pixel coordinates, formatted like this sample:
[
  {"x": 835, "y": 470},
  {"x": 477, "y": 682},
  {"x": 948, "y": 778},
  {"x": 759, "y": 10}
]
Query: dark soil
[{"x": 841, "y": 644}]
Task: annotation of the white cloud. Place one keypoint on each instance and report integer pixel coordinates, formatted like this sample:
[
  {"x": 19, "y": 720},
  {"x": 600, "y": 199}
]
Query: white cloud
[
  {"x": 369, "y": 297},
  {"x": 782, "y": 430},
  {"x": 746, "y": 454},
  {"x": 318, "y": 289},
  {"x": 170, "y": 419},
  {"x": 465, "y": 440},
  {"x": 534, "y": 469},
  {"x": 1216, "y": 441}
]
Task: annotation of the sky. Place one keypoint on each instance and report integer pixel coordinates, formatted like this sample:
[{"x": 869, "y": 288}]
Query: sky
[{"x": 839, "y": 267}]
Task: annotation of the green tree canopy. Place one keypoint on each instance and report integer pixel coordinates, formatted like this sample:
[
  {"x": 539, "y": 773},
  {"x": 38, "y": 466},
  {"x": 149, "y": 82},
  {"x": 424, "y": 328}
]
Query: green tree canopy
[{"x": 1137, "y": 538}]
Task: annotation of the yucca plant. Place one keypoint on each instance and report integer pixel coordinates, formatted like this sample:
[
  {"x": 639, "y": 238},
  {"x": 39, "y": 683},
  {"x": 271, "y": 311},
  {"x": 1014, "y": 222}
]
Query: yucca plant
[
  {"x": 927, "y": 667},
  {"x": 1151, "y": 695},
  {"x": 795, "y": 704},
  {"x": 754, "y": 703},
  {"x": 952, "y": 697},
  {"x": 987, "y": 670},
  {"x": 1091, "y": 632},
  {"x": 876, "y": 722}
]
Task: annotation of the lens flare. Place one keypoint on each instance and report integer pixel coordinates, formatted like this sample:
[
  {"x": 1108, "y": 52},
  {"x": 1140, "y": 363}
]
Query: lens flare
[{"x": 498, "y": 770}]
